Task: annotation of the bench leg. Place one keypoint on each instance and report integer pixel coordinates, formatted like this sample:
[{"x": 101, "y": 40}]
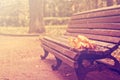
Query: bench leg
[
  {"x": 116, "y": 66},
  {"x": 58, "y": 64},
  {"x": 80, "y": 72},
  {"x": 115, "y": 60},
  {"x": 45, "y": 54}
]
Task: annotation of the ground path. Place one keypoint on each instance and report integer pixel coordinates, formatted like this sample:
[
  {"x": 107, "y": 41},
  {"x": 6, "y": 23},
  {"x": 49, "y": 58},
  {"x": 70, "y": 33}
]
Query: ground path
[{"x": 19, "y": 60}]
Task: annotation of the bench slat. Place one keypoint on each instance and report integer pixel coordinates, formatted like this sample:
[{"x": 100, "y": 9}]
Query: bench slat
[
  {"x": 60, "y": 56},
  {"x": 109, "y": 11},
  {"x": 64, "y": 41},
  {"x": 110, "y": 19},
  {"x": 99, "y": 43},
  {"x": 104, "y": 32},
  {"x": 64, "y": 51},
  {"x": 104, "y": 46},
  {"x": 113, "y": 26},
  {"x": 97, "y": 37},
  {"x": 58, "y": 41}
]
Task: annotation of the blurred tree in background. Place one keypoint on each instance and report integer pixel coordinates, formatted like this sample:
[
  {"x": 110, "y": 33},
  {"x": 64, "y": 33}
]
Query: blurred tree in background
[
  {"x": 36, "y": 23},
  {"x": 16, "y": 12}
]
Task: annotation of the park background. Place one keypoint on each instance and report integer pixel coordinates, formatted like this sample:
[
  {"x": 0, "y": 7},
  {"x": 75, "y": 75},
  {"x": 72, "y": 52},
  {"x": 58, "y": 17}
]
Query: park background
[
  {"x": 39, "y": 16},
  {"x": 24, "y": 22}
]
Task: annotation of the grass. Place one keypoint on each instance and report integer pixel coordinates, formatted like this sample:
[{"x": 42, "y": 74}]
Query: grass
[
  {"x": 14, "y": 30},
  {"x": 55, "y": 30},
  {"x": 56, "y": 18},
  {"x": 51, "y": 30}
]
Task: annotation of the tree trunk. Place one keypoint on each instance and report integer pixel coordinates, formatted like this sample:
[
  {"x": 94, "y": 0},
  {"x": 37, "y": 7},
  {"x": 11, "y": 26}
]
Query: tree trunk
[
  {"x": 36, "y": 24},
  {"x": 109, "y": 2}
]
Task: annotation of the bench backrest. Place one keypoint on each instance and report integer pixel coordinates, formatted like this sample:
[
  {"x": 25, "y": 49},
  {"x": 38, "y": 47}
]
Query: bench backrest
[{"x": 101, "y": 25}]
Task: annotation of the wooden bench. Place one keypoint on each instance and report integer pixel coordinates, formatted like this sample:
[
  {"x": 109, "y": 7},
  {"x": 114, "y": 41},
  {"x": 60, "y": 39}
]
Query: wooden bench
[{"x": 100, "y": 25}]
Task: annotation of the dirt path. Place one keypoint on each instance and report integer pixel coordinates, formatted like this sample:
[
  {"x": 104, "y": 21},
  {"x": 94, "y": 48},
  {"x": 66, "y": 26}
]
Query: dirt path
[{"x": 19, "y": 60}]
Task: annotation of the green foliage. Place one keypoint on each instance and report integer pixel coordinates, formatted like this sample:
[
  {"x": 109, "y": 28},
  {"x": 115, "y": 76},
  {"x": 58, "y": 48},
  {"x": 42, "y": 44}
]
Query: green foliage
[
  {"x": 13, "y": 30},
  {"x": 55, "y": 30},
  {"x": 50, "y": 30},
  {"x": 16, "y": 12},
  {"x": 57, "y": 8},
  {"x": 56, "y": 20}
]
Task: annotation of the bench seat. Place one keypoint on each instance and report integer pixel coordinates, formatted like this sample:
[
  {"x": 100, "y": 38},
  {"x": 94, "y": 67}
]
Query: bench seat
[{"x": 100, "y": 25}]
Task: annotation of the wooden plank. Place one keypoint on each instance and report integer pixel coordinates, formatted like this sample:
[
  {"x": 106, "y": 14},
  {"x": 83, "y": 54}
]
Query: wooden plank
[
  {"x": 65, "y": 59},
  {"x": 112, "y": 26},
  {"x": 98, "y": 37},
  {"x": 105, "y": 32},
  {"x": 101, "y": 46},
  {"x": 98, "y": 12},
  {"x": 55, "y": 40},
  {"x": 111, "y": 19},
  {"x": 62, "y": 50},
  {"x": 98, "y": 43}
]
